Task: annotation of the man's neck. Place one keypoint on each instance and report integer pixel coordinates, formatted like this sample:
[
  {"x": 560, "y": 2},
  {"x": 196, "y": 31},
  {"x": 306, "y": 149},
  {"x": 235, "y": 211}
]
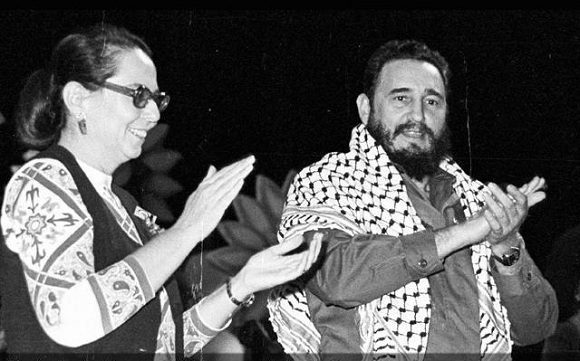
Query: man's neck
[{"x": 422, "y": 184}]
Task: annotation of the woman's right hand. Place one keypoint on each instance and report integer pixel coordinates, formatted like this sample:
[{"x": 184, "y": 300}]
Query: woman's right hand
[{"x": 206, "y": 205}]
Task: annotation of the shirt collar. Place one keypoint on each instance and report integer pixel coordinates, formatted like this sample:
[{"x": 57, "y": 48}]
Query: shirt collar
[{"x": 440, "y": 185}]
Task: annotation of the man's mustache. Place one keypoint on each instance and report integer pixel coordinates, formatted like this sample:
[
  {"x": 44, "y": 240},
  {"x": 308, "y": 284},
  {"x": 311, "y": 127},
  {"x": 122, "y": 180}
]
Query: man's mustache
[{"x": 413, "y": 125}]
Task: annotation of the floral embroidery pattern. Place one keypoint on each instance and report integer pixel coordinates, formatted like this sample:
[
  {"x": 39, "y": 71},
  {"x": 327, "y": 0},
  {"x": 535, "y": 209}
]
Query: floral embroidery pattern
[
  {"x": 165, "y": 339},
  {"x": 150, "y": 220},
  {"x": 122, "y": 293},
  {"x": 35, "y": 224},
  {"x": 194, "y": 339},
  {"x": 46, "y": 223}
]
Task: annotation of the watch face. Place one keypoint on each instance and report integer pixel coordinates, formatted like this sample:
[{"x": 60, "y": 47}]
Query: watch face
[
  {"x": 509, "y": 258},
  {"x": 249, "y": 301}
]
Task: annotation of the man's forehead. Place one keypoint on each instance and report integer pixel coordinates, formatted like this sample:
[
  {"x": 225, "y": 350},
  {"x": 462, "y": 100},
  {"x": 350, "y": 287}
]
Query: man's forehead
[{"x": 411, "y": 74}]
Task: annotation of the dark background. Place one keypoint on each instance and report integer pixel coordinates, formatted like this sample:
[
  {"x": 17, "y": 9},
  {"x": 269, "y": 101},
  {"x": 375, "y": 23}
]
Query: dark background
[{"x": 282, "y": 84}]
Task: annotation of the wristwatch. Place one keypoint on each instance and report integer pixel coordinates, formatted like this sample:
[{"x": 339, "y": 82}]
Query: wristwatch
[
  {"x": 509, "y": 258},
  {"x": 245, "y": 303}
]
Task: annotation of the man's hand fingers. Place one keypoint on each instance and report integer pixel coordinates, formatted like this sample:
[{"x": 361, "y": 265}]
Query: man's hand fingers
[
  {"x": 498, "y": 204},
  {"x": 536, "y": 198}
]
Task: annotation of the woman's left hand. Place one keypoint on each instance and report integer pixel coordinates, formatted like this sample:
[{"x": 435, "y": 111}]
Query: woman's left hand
[{"x": 273, "y": 266}]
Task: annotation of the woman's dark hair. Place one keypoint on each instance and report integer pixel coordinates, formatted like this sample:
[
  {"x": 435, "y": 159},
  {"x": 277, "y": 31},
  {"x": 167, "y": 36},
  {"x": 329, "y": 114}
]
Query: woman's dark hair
[
  {"x": 88, "y": 57},
  {"x": 398, "y": 50},
  {"x": 563, "y": 271}
]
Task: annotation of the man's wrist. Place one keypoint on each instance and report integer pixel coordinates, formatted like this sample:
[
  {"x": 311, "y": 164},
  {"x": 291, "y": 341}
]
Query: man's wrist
[
  {"x": 508, "y": 252},
  {"x": 509, "y": 258},
  {"x": 503, "y": 247}
]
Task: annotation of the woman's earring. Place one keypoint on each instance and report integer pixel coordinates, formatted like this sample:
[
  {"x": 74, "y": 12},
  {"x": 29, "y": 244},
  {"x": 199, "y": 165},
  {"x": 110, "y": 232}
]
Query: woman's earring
[{"x": 81, "y": 122}]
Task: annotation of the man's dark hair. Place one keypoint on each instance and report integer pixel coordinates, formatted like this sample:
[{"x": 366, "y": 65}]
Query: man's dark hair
[{"x": 397, "y": 50}]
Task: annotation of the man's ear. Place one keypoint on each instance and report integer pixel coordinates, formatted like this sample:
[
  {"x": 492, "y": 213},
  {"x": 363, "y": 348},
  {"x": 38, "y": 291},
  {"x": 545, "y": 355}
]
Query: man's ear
[
  {"x": 364, "y": 107},
  {"x": 73, "y": 95}
]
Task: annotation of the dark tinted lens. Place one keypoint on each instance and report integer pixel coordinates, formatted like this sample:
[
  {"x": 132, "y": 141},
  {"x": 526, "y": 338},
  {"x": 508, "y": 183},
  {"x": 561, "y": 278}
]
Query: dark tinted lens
[
  {"x": 162, "y": 100},
  {"x": 141, "y": 97},
  {"x": 143, "y": 94}
]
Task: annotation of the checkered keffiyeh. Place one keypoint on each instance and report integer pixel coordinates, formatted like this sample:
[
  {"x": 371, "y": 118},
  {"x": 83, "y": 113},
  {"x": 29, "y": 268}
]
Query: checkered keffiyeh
[{"x": 361, "y": 192}]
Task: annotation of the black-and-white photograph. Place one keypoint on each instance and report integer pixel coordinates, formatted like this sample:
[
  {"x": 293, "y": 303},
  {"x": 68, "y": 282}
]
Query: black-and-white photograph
[{"x": 290, "y": 185}]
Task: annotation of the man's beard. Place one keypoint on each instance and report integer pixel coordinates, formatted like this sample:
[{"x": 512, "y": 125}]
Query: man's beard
[{"x": 416, "y": 162}]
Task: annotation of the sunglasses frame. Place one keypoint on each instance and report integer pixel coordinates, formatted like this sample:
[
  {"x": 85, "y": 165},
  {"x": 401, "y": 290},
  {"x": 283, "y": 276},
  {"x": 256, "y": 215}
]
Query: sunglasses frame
[{"x": 161, "y": 99}]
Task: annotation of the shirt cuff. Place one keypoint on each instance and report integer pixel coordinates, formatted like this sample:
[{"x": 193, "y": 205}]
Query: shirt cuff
[
  {"x": 202, "y": 325},
  {"x": 142, "y": 278},
  {"x": 421, "y": 254},
  {"x": 520, "y": 279}
]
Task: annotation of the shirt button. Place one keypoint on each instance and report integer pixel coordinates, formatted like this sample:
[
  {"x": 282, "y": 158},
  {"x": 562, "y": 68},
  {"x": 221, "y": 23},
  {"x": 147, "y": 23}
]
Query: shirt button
[{"x": 422, "y": 263}]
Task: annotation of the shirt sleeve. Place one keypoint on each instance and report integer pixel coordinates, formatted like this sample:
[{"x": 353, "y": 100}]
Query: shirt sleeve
[
  {"x": 45, "y": 222},
  {"x": 564, "y": 342},
  {"x": 196, "y": 332},
  {"x": 529, "y": 299},
  {"x": 370, "y": 265}
]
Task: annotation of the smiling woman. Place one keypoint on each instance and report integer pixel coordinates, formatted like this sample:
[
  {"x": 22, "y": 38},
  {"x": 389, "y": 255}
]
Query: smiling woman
[{"x": 85, "y": 269}]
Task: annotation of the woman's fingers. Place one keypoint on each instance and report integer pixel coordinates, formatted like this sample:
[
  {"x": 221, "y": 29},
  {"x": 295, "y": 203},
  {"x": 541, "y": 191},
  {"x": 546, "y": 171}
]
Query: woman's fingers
[
  {"x": 288, "y": 245},
  {"x": 210, "y": 172},
  {"x": 227, "y": 194},
  {"x": 314, "y": 250},
  {"x": 273, "y": 266},
  {"x": 308, "y": 256},
  {"x": 221, "y": 187},
  {"x": 233, "y": 171},
  {"x": 227, "y": 187},
  {"x": 207, "y": 204}
]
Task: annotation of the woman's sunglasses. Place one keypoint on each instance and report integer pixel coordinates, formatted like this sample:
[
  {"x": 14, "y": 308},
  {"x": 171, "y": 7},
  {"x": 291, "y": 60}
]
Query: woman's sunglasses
[{"x": 141, "y": 95}]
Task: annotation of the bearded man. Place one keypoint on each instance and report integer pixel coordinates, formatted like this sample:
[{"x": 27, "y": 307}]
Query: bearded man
[{"x": 420, "y": 261}]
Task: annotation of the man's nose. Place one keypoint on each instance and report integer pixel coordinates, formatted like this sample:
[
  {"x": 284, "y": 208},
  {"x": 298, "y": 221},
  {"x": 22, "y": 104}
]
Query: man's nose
[{"x": 417, "y": 112}]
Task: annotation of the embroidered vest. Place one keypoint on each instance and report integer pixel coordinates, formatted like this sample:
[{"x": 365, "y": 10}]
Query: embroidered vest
[{"x": 137, "y": 336}]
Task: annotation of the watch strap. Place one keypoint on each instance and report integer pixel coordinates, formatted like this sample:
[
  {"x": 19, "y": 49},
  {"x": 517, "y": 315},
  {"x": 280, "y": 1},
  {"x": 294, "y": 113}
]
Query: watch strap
[
  {"x": 509, "y": 258},
  {"x": 245, "y": 303}
]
